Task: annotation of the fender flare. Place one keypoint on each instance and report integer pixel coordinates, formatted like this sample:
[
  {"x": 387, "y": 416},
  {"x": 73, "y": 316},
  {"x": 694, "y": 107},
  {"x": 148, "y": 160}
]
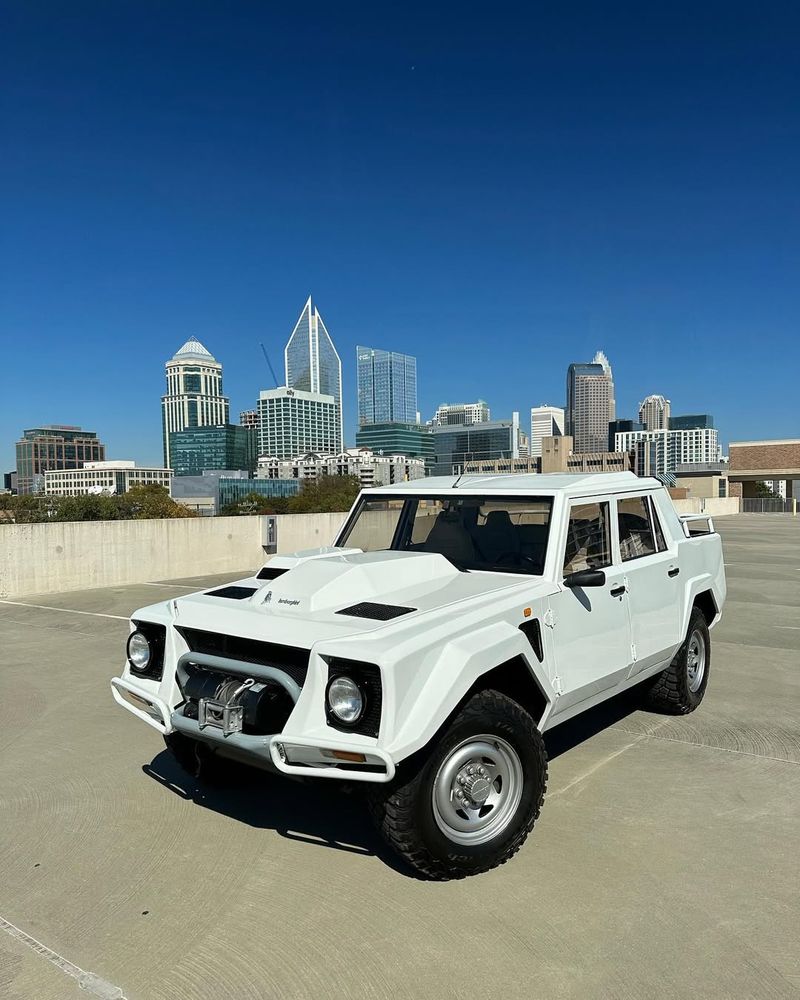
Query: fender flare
[
  {"x": 696, "y": 585},
  {"x": 462, "y": 662}
]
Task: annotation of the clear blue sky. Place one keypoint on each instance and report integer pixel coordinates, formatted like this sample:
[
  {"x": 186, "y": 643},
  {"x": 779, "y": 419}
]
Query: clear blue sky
[{"x": 497, "y": 189}]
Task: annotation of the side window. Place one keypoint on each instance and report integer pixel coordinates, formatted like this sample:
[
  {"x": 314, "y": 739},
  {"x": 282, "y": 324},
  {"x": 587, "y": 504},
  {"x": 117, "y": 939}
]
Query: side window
[
  {"x": 636, "y": 538},
  {"x": 661, "y": 544},
  {"x": 588, "y": 538}
]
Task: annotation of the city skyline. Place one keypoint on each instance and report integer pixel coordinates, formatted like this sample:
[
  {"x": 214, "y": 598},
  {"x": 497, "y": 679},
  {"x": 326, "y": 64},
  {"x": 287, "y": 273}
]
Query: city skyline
[
  {"x": 193, "y": 351},
  {"x": 586, "y": 180}
]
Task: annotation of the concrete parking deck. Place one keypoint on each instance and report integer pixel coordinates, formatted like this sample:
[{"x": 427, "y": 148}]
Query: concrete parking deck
[{"x": 665, "y": 862}]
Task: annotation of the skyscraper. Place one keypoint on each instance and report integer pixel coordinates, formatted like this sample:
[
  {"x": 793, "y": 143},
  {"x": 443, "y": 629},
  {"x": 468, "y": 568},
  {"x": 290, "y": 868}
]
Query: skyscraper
[
  {"x": 194, "y": 393},
  {"x": 654, "y": 413},
  {"x": 546, "y": 421},
  {"x": 312, "y": 364},
  {"x": 590, "y": 404},
  {"x": 387, "y": 387},
  {"x": 293, "y": 422}
]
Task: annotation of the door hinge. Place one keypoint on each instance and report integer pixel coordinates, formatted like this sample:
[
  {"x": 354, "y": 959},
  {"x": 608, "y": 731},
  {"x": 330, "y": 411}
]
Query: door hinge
[
  {"x": 633, "y": 652},
  {"x": 557, "y": 686},
  {"x": 549, "y": 618}
]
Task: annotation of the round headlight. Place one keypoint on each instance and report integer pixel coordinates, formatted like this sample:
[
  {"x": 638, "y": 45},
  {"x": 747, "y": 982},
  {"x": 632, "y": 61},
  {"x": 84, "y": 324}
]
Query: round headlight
[
  {"x": 138, "y": 651},
  {"x": 345, "y": 700}
]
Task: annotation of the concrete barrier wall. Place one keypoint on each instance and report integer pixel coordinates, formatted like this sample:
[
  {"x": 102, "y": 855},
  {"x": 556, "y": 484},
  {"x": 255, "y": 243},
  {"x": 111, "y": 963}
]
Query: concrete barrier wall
[
  {"x": 79, "y": 555},
  {"x": 714, "y": 506}
]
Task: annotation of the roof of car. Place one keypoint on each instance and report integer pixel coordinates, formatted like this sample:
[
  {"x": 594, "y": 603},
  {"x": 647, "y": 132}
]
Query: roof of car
[{"x": 580, "y": 484}]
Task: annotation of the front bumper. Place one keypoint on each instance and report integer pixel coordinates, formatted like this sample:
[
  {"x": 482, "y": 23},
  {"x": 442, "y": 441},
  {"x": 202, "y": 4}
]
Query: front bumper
[{"x": 297, "y": 755}]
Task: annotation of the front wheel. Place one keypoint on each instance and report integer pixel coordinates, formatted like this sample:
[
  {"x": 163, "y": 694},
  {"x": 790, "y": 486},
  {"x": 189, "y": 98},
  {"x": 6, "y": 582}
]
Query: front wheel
[
  {"x": 471, "y": 802},
  {"x": 680, "y": 688}
]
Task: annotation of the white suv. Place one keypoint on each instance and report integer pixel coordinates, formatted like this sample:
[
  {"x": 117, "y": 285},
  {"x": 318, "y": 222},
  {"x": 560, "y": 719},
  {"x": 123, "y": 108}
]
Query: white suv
[{"x": 450, "y": 625}]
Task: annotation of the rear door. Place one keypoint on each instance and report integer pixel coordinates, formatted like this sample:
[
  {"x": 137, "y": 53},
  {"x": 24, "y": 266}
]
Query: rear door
[
  {"x": 652, "y": 578},
  {"x": 591, "y": 625}
]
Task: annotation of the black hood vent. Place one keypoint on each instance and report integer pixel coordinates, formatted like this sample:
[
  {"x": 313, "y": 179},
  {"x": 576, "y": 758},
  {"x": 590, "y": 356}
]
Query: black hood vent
[
  {"x": 268, "y": 573},
  {"x": 377, "y": 612}
]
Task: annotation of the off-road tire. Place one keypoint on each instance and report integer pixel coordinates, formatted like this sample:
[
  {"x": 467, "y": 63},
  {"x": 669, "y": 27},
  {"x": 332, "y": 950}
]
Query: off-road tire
[
  {"x": 669, "y": 691},
  {"x": 403, "y": 810},
  {"x": 197, "y": 759}
]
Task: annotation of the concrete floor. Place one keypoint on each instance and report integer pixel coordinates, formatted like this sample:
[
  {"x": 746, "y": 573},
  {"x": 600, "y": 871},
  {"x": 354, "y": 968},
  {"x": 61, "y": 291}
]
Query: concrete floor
[{"x": 665, "y": 862}]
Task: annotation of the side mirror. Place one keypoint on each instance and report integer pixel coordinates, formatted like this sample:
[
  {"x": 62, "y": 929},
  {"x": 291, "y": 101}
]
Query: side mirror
[{"x": 586, "y": 578}]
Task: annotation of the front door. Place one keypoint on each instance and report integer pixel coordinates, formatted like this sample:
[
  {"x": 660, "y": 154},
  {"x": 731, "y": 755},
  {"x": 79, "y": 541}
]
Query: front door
[{"x": 591, "y": 624}]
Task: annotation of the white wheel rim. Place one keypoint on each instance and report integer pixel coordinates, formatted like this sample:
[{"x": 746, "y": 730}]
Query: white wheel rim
[
  {"x": 477, "y": 790},
  {"x": 696, "y": 661}
]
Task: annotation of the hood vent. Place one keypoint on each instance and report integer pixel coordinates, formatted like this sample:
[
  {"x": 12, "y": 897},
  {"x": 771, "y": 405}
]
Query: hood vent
[
  {"x": 378, "y": 612},
  {"x": 233, "y": 593},
  {"x": 269, "y": 573}
]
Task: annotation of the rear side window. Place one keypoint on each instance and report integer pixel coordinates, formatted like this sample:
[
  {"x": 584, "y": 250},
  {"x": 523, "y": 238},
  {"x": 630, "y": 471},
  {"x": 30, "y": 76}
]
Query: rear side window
[
  {"x": 588, "y": 538},
  {"x": 660, "y": 542},
  {"x": 636, "y": 537}
]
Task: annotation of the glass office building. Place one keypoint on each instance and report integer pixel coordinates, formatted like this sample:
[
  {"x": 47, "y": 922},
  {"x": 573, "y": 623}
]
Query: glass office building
[
  {"x": 455, "y": 446},
  {"x": 232, "y": 490},
  {"x": 54, "y": 446},
  {"x": 387, "y": 386},
  {"x": 312, "y": 364},
  {"x": 398, "y": 439},
  {"x": 198, "y": 449}
]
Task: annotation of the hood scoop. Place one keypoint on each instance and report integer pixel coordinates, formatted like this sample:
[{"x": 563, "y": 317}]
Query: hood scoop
[{"x": 344, "y": 581}]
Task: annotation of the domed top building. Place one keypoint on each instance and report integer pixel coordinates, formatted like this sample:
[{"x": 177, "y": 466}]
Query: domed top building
[{"x": 194, "y": 392}]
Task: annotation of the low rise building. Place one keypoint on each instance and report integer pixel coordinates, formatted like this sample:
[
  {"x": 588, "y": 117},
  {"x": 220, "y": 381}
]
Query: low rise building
[
  {"x": 703, "y": 479},
  {"x": 111, "y": 478},
  {"x": 371, "y": 469},
  {"x": 557, "y": 456}
]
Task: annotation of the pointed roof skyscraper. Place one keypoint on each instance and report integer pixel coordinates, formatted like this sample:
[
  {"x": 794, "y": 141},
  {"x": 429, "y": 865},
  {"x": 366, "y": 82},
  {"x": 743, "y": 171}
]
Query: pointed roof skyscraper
[{"x": 312, "y": 362}]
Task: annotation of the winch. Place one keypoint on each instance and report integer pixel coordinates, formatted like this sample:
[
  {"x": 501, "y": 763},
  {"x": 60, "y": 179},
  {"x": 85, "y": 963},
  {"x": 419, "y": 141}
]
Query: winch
[{"x": 235, "y": 704}]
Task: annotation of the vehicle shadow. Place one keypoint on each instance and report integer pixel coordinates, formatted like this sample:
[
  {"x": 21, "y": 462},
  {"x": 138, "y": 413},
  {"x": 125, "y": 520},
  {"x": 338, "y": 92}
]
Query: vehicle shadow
[
  {"x": 583, "y": 727},
  {"x": 312, "y": 813},
  {"x": 337, "y": 818}
]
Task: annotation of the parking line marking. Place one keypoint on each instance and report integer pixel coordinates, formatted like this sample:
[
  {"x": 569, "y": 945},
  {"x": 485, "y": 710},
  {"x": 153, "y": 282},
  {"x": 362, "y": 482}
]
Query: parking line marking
[
  {"x": 172, "y": 586},
  {"x": 87, "y": 981},
  {"x": 794, "y": 628},
  {"x": 68, "y": 611}
]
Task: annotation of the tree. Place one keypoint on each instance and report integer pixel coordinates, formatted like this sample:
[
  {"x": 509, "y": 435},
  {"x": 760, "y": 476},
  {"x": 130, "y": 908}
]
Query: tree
[
  {"x": 762, "y": 490},
  {"x": 150, "y": 501},
  {"x": 325, "y": 494}
]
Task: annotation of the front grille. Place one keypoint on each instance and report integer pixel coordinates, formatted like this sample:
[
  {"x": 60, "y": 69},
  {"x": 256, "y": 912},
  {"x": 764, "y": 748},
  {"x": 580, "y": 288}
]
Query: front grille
[
  {"x": 378, "y": 612},
  {"x": 288, "y": 658}
]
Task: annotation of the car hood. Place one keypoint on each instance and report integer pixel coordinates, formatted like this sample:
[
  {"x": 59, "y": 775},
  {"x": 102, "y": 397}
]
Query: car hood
[{"x": 317, "y": 596}]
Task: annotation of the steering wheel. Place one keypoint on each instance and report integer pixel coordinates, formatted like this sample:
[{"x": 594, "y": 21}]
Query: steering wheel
[{"x": 517, "y": 557}]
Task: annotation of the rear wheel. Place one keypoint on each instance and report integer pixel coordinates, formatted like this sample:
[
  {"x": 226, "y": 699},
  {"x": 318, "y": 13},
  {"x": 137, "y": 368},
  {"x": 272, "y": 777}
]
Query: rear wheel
[
  {"x": 680, "y": 688},
  {"x": 470, "y": 803}
]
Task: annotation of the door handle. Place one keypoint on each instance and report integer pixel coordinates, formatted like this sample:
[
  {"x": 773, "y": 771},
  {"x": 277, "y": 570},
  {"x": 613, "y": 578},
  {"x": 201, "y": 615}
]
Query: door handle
[
  {"x": 674, "y": 571},
  {"x": 617, "y": 591}
]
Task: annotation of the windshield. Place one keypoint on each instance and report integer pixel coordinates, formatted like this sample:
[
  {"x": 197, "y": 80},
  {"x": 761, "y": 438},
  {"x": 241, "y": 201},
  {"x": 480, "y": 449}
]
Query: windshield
[{"x": 498, "y": 534}]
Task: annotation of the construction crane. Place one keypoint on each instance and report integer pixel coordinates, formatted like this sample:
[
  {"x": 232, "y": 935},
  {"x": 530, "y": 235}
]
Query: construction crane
[{"x": 269, "y": 363}]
